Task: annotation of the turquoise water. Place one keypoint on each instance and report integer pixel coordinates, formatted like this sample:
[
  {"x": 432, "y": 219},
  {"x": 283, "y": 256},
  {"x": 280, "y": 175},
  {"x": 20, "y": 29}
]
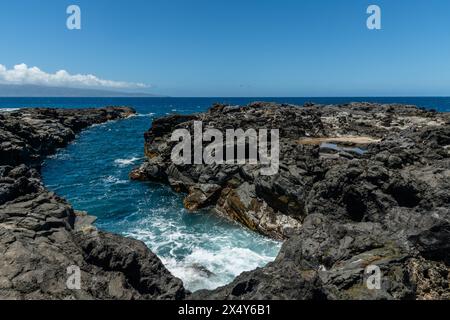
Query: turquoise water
[{"x": 92, "y": 173}]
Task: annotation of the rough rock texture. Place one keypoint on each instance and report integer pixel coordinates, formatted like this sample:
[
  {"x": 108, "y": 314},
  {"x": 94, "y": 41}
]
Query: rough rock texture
[
  {"x": 359, "y": 185},
  {"x": 40, "y": 233}
]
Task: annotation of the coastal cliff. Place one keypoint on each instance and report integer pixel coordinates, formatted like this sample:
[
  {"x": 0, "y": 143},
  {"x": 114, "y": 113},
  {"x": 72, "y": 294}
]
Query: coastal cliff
[
  {"x": 358, "y": 185},
  {"x": 41, "y": 235}
]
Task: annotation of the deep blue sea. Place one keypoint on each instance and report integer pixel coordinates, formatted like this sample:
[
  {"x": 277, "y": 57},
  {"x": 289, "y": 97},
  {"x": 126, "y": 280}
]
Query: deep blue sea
[{"x": 92, "y": 173}]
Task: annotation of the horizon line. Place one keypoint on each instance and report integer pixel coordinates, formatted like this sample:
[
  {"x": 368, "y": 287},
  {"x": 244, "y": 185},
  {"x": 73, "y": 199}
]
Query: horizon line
[{"x": 230, "y": 97}]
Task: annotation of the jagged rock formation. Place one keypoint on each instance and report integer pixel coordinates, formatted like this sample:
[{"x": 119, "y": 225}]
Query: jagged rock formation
[
  {"x": 359, "y": 185},
  {"x": 41, "y": 236}
]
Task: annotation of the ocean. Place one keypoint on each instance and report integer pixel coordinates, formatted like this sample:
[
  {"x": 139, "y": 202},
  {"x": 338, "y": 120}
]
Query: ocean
[{"x": 205, "y": 251}]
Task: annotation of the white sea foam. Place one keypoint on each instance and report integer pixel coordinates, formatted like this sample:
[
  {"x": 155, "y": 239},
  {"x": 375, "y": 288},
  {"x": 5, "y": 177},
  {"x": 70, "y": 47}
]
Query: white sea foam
[
  {"x": 209, "y": 259},
  {"x": 150, "y": 114},
  {"x": 59, "y": 156},
  {"x": 125, "y": 162},
  {"x": 209, "y": 269},
  {"x": 114, "y": 180},
  {"x": 104, "y": 124},
  {"x": 8, "y": 109}
]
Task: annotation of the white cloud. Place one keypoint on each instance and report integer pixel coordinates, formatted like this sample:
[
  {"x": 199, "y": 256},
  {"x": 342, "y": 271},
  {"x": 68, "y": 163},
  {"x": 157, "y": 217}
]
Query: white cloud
[{"x": 22, "y": 74}]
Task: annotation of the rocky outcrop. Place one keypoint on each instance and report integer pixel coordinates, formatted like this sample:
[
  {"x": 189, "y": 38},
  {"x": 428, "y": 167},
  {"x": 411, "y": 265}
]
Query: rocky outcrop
[
  {"x": 27, "y": 136},
  {"x": 360, "y": 186},
  {"x": 43, "y": 241}
]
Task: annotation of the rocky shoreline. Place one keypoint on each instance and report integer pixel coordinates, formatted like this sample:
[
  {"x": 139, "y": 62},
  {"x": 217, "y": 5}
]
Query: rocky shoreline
[
  {"x": 360, "y": 185},
  {"x": 41, "y": 235}
]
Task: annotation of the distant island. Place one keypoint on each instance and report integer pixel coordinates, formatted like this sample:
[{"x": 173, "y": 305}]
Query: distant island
[{"x": 8, "y": 90}]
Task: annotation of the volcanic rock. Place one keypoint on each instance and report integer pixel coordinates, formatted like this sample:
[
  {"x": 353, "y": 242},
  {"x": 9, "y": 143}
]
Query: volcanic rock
[
  {"x": 360, "y": 187},
  {"x": 43, "y": 240}
]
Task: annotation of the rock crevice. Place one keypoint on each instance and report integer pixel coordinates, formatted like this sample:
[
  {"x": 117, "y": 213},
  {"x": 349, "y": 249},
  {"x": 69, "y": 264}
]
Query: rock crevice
[
  {"x": 42, "y": 237},
  {"x": 358, "y": 185}
]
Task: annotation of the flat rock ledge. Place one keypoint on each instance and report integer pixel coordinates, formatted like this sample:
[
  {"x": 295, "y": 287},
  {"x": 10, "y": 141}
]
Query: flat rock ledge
[
  {"x": 42, "y": 238},
  {"x": 360, "y": 186}
]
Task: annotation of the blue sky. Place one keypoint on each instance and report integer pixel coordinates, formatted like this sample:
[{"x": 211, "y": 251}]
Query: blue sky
[{"x": 238, "y": 47}]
